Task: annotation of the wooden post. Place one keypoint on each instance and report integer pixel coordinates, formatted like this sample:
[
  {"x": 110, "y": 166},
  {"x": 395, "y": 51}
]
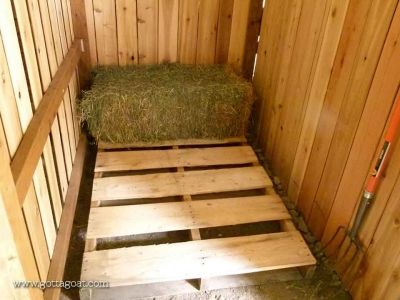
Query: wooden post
[{"x": 78, "y": 12}]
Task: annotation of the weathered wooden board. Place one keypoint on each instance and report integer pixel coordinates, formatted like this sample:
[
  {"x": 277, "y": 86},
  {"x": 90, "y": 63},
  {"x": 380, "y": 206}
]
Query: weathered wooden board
[
  {"x": 194, "y": 259},
  {"x": 172, "y": 184},
  {"x": 134, "y": 219},
  {"x": 159, "y": 159}
]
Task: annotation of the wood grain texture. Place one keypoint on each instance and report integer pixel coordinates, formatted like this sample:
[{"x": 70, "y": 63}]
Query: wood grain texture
[
  {"x": 22, "y": 266},
  {"x": 106, "y": 31},
  {"x": 183, "y": 215},
  {"x": 29, "y": 151},
  {"x": 172, "y": 184},
  {"x": 157, "y": 31},
  {"x": 375, "y": 113},
  {"x": 12, "y": 130},
  {"x": 196, "y": 259},
  {"x": 237, "y": 42},
  {"x": 77, "y": 10},
  {"x": 188, "y": 28},
  {"x": 189, "y": 142},
  {"x": 127, "y": 32},
  {"x": 158, "y": 159},
  {"x": 342, "y": 70},
  {"x": 57, "y": 266},
  {"x": 91, "y": 31},
  {"x": 147, "y": 13},
  {"x": 224, "y": 31},
  {"x": 207, "y": 31},
  {"x": 352, "y": 107},
  {"x": 168, "y": 31}
]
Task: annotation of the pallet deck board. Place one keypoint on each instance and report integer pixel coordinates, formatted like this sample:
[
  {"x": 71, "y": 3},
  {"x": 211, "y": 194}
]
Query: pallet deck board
[
  {"x": 231, "y": 188},
  {"x": 134, "y": 219},
  {"x": 158, "y": 159},
  {"x": 196, "y": 259},
  {"x": 174, "y": 184},
  {"x": 185, "y": 142}
]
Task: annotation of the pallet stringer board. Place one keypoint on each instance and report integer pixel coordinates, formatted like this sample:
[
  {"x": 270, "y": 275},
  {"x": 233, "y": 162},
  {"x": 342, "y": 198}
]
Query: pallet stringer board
[{"x": 195, "y": 234}]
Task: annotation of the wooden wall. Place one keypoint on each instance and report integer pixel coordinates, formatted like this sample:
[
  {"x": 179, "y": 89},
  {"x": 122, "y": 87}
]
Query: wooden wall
[
  {"x": 127, "y": 32},
  {"x": 327, "y": 75},
  {"x": 35, "y": 36}
]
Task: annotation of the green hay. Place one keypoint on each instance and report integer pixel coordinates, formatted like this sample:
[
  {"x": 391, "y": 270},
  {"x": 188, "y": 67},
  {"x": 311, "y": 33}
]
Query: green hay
[{"x": 153, "y": 103}]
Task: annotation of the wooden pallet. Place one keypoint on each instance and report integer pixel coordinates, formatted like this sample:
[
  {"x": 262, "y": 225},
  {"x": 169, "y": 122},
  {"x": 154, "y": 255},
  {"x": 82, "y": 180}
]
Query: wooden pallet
[{"x": 220, "y": 185}]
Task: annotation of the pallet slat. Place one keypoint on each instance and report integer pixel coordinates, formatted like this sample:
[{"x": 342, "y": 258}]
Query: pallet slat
[
  {"x": 173, "y": 184},
  {"x": 195, "y": 259},
  {"x": 134, "y": 219},
  {"x": 157, "y": 159}
]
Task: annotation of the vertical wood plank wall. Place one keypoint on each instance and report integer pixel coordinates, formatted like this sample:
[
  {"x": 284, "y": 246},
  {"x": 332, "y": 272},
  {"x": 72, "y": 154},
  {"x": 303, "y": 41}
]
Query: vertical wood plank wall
[
  {"x": 123, "y": 32},
  {"x": 327, "y": 75},
  {"x": 35, "y": 36}
]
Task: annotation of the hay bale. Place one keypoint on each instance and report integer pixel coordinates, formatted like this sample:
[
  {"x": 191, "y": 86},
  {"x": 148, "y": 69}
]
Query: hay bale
[{"x": 153, "y": 103}]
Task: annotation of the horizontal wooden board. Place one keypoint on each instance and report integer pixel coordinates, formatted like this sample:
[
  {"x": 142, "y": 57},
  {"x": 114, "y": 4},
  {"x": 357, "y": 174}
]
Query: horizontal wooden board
[
  {"x": 157, "y": 159},
  {"x": 187, "y": 142},
  {"x": 134, "y": 219},
  {"x": 173, "y": 184},
  {"x": 197, "y": 259}
]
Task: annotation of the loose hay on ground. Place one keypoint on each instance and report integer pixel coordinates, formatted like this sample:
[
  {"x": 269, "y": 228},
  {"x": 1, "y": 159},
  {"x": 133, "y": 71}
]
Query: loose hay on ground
[{"x": 151, "y": 103}]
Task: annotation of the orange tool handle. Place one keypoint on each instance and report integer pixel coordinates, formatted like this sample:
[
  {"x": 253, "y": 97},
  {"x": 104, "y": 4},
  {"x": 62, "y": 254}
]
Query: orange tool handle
[{"x": 391, "y": 133}]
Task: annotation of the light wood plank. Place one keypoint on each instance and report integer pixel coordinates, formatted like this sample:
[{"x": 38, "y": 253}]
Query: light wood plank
[
  {"x": 70, "y": 121},
  {"x": 61, "y": 26},
  {"x": 207, "y": 31},
  {"x": 55, "y": 32},
  {"x": 16, "y": 253},
  {"x": 106, "y": 31},
  {"x": 197, "y": 259},
  {"x": 339, "y": 74},
  {"x": 134, "y": 219},
  {"x": 147, "y": 12},
  {"x": 67, "y": 24},
  {"x": 91, "y": 31},
  {"x": 173, "y": 184},
  {"x": 195, "y": 234},
  {"x": 32, "y": 144},
  {"x": 13, "y": 132},
  {"x": 252, "y": 38},
  {"x": 319, "y": 86},
  {"x": 188, "y": 26},
  {"x": 380, "y": 99},
  {"x": 42, "y": 193},
  {"x": 77, "y": 10},
  {"x": 57, "y": 266},
  {"x": 157, "y": 159},
  {"x": 37, "y": 83},
  {"x": 240, "y": 16},
  {"x": 73, "y": 92},
  {"x": 41, "y": 50},
  {"x": 191, "y": 142},
  {"x": 28, "y": 48},
  {"x": 127, "y": 32},
  {"x": 224, "y": 31},
  {"x": 168, "y": 31},
  {"x": 12, "y": 49},
  {"x": 352, "y": 108}
]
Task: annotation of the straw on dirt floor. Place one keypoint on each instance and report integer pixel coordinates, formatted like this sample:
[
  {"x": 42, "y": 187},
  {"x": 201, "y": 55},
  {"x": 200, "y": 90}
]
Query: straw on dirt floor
[{"x": 152, "y": 103}]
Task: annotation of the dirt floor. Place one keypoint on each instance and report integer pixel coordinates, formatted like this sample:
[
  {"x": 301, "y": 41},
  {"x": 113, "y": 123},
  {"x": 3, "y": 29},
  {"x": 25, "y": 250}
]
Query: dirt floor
[{"x": 325, "y": 283}]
